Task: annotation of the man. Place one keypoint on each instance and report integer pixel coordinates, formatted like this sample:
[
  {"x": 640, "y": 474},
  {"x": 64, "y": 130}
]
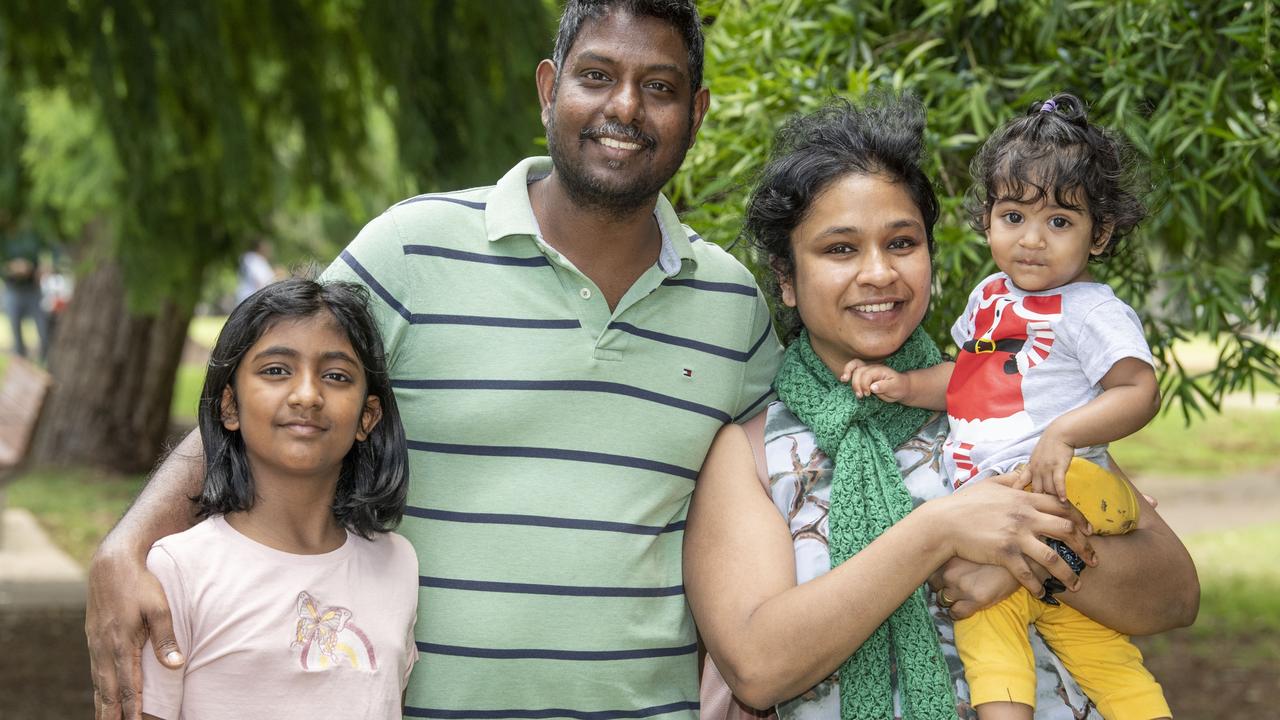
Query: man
[{"x": 563, "y": 352}]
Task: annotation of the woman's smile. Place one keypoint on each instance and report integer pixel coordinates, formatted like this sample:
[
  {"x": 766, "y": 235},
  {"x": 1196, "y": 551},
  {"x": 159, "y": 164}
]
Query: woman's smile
[{"x": 861, "y": 269}]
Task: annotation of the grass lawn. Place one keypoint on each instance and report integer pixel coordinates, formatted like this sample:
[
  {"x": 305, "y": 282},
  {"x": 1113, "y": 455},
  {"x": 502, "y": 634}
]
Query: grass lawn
[
  {"x": 1234, "y": 441},
  {"x": 77, "y": 507}
]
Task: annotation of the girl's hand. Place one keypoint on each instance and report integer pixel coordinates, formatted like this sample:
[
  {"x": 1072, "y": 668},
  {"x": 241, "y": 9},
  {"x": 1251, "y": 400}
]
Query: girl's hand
[
  {"x": 1047, "y": 467},
  {"x": 874, "y": 379},
  {"x": 991, "y": 523}
]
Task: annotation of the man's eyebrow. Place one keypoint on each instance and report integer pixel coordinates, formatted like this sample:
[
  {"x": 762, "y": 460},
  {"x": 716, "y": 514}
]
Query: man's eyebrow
[{"x": 594, "y": 57}]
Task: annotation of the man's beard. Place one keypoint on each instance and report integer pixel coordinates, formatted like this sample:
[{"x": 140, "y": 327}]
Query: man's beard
[{"x": 593, "y": 192}]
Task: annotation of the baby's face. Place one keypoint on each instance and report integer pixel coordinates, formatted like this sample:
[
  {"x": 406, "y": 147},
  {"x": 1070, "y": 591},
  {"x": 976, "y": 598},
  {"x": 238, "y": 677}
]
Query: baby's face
[{"x": 1041, "y": 245}]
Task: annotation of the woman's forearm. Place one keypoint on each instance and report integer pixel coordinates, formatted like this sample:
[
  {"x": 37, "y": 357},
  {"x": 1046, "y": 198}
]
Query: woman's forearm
[{"x": 740, "y": 575}]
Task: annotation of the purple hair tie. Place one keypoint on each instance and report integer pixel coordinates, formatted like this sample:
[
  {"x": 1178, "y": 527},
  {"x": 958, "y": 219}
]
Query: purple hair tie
[{"x": 1049, "y": 106}]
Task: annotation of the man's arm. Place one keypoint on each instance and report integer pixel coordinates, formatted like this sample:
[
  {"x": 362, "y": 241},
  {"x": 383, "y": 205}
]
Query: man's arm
[{"x": 126, "y": 603}]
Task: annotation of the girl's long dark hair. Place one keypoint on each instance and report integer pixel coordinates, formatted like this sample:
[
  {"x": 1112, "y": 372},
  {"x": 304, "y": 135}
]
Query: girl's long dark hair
[{"x": 374, "y": 480}]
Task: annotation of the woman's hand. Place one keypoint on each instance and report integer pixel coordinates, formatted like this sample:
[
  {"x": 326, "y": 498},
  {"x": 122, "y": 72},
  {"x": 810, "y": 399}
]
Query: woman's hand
[{"x": 991, "y": 523}]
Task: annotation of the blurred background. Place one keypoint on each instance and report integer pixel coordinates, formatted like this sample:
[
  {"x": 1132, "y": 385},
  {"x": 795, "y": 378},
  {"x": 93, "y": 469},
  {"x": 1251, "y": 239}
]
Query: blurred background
[{"x": 158, "y": 158}]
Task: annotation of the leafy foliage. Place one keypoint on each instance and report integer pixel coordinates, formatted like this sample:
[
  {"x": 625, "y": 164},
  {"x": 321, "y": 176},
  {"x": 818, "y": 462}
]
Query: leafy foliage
[
  {"x": 218, "y": 114},
  {"x": 1192, "y": 84}
]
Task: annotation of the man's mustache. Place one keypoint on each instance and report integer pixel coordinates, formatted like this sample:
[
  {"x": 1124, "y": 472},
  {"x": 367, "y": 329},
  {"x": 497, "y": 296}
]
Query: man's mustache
[{"x": 615, "y": 129}]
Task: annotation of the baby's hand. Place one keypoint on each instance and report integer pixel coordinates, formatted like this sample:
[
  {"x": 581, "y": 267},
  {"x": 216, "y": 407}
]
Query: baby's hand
[
  {"x": 874, "y": 379},
  {"x": 1047, "y": 468}
]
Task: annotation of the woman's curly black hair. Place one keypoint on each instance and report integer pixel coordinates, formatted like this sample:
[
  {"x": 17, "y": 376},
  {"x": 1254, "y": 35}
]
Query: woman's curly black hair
[
  {"x": 884, "y": 135},
  {"x": 374, "y": 481},
  {"x": 1054, "y": 151}
]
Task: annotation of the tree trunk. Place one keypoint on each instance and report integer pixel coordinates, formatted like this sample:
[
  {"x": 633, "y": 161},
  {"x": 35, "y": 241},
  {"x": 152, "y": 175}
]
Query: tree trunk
[{"x": 113, "y": 374}]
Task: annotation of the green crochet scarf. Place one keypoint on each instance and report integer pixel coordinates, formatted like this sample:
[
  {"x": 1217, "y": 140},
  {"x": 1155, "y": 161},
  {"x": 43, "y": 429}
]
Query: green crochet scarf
[{"x": 867, "y": 496}]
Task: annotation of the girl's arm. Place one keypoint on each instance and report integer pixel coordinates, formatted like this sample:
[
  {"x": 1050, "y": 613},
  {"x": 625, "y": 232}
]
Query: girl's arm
[
  {"x": 751, "y": 629},
  {"x": 1130, "y": 398}
]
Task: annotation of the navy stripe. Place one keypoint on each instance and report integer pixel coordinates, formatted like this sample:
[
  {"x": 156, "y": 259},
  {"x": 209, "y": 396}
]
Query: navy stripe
[
  {"x": 452, "y": 254},
  {"x": 680, "y": 341},
  {"x": 374, "y": 284},
  {"x": 768, "y": 328},
  {"x": 570, "y": 385},
  {"x": 542, "y": 521},
  {"x": 747, "y": 290},
  {"x": 554, "y": 454},
  {"x": 411, "y": 711},
  {"x": 541, "y": 654},
  {"x": 541, "y": 589},
  {"x": 750, "y": 408},
  {"x": 440, "y": 198},
  {"x": 486, "y": 321}
]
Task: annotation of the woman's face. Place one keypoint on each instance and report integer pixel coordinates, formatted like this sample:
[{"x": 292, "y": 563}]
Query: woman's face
[{"x": 862, "y": 270}]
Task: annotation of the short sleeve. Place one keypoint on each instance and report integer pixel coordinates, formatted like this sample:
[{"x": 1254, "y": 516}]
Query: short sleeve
[
  {"x": 962, "y": 329},
  {"x": 1110, "y": 332},
  {"x": 162, "y": 686},
  {"x": 764, "y": 355}
]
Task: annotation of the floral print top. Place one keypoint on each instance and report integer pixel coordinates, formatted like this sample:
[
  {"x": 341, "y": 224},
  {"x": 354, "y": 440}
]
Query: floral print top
[{"x": 800, "y": 485}]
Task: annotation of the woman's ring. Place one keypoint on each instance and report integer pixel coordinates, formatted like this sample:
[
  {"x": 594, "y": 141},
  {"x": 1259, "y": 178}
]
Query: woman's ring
[{"x": 943, "y": 601}]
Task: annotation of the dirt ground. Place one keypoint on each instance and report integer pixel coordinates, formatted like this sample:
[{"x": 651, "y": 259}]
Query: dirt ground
[{"x": 44, "y": 666}]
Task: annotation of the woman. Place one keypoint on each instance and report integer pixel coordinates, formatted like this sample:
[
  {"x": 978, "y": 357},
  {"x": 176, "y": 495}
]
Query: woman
[{"x": 845, "y": 215}]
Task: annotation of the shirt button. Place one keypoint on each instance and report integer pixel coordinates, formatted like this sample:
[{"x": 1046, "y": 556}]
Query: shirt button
[{"x": 585, "y": 293}]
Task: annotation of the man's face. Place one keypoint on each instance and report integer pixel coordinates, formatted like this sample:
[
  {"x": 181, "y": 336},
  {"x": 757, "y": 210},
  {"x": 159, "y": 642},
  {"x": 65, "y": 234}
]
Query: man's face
[{"x": 621, "y": 115}]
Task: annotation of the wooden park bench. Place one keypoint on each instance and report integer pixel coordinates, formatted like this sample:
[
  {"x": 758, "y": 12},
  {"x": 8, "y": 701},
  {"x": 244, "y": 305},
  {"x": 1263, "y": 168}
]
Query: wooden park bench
[{"x": 22, "y": 390}]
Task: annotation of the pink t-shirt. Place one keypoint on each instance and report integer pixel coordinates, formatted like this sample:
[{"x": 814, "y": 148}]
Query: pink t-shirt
[{"x": 271, "y": 634}]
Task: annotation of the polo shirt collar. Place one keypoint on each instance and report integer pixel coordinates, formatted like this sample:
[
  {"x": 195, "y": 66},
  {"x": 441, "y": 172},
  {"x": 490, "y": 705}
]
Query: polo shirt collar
[{"x": 508, "y": 212}]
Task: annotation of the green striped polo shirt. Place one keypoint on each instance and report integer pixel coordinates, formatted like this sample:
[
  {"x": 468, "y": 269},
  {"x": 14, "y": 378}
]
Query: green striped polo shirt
[{"x": 553, "y": 446}]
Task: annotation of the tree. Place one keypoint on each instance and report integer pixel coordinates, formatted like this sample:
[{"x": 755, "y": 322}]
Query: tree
[
  {"x": 1191, "y": 83},
  {"x": 216, "y": 115}
]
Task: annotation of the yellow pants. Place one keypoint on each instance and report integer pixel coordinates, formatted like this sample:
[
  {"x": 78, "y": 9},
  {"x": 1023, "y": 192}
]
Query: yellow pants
[{"x": 1000, "y": 667}]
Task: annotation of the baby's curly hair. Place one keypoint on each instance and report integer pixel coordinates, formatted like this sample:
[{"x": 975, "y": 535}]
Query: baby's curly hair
[{"x": 1054, "y": 151}]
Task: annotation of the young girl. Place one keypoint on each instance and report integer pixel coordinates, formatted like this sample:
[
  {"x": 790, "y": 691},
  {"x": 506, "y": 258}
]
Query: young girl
[
  {"x": 1051, "y": 366},
  {"x": 291, "y": 597}
]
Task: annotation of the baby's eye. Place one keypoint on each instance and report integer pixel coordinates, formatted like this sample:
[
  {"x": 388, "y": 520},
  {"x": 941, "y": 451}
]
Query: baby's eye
[
  {"x": 1059, "y": 222},
  {"x": 1012, "y": 217}
]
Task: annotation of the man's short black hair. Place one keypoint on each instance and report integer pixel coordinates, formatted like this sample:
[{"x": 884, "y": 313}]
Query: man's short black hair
[{"x": 681, "y": 14}]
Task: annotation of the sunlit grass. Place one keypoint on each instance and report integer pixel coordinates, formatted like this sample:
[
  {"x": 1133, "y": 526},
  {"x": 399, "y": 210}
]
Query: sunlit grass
[
  {"x": 204, "y": 329},
  {"x": 76, "y": 506},
  {"x": 1233, "y": 441}
]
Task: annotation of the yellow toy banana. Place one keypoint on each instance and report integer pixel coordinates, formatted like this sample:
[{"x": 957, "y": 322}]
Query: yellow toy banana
[{"x": 1106, "y": 501}]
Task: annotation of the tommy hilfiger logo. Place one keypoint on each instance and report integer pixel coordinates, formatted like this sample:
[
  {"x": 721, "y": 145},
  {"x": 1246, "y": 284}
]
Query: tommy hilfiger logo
[{"x": 687, "y": 372}]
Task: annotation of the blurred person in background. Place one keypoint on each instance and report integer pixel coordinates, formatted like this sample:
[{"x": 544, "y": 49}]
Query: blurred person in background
[{"x": 21, "y": 272}]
